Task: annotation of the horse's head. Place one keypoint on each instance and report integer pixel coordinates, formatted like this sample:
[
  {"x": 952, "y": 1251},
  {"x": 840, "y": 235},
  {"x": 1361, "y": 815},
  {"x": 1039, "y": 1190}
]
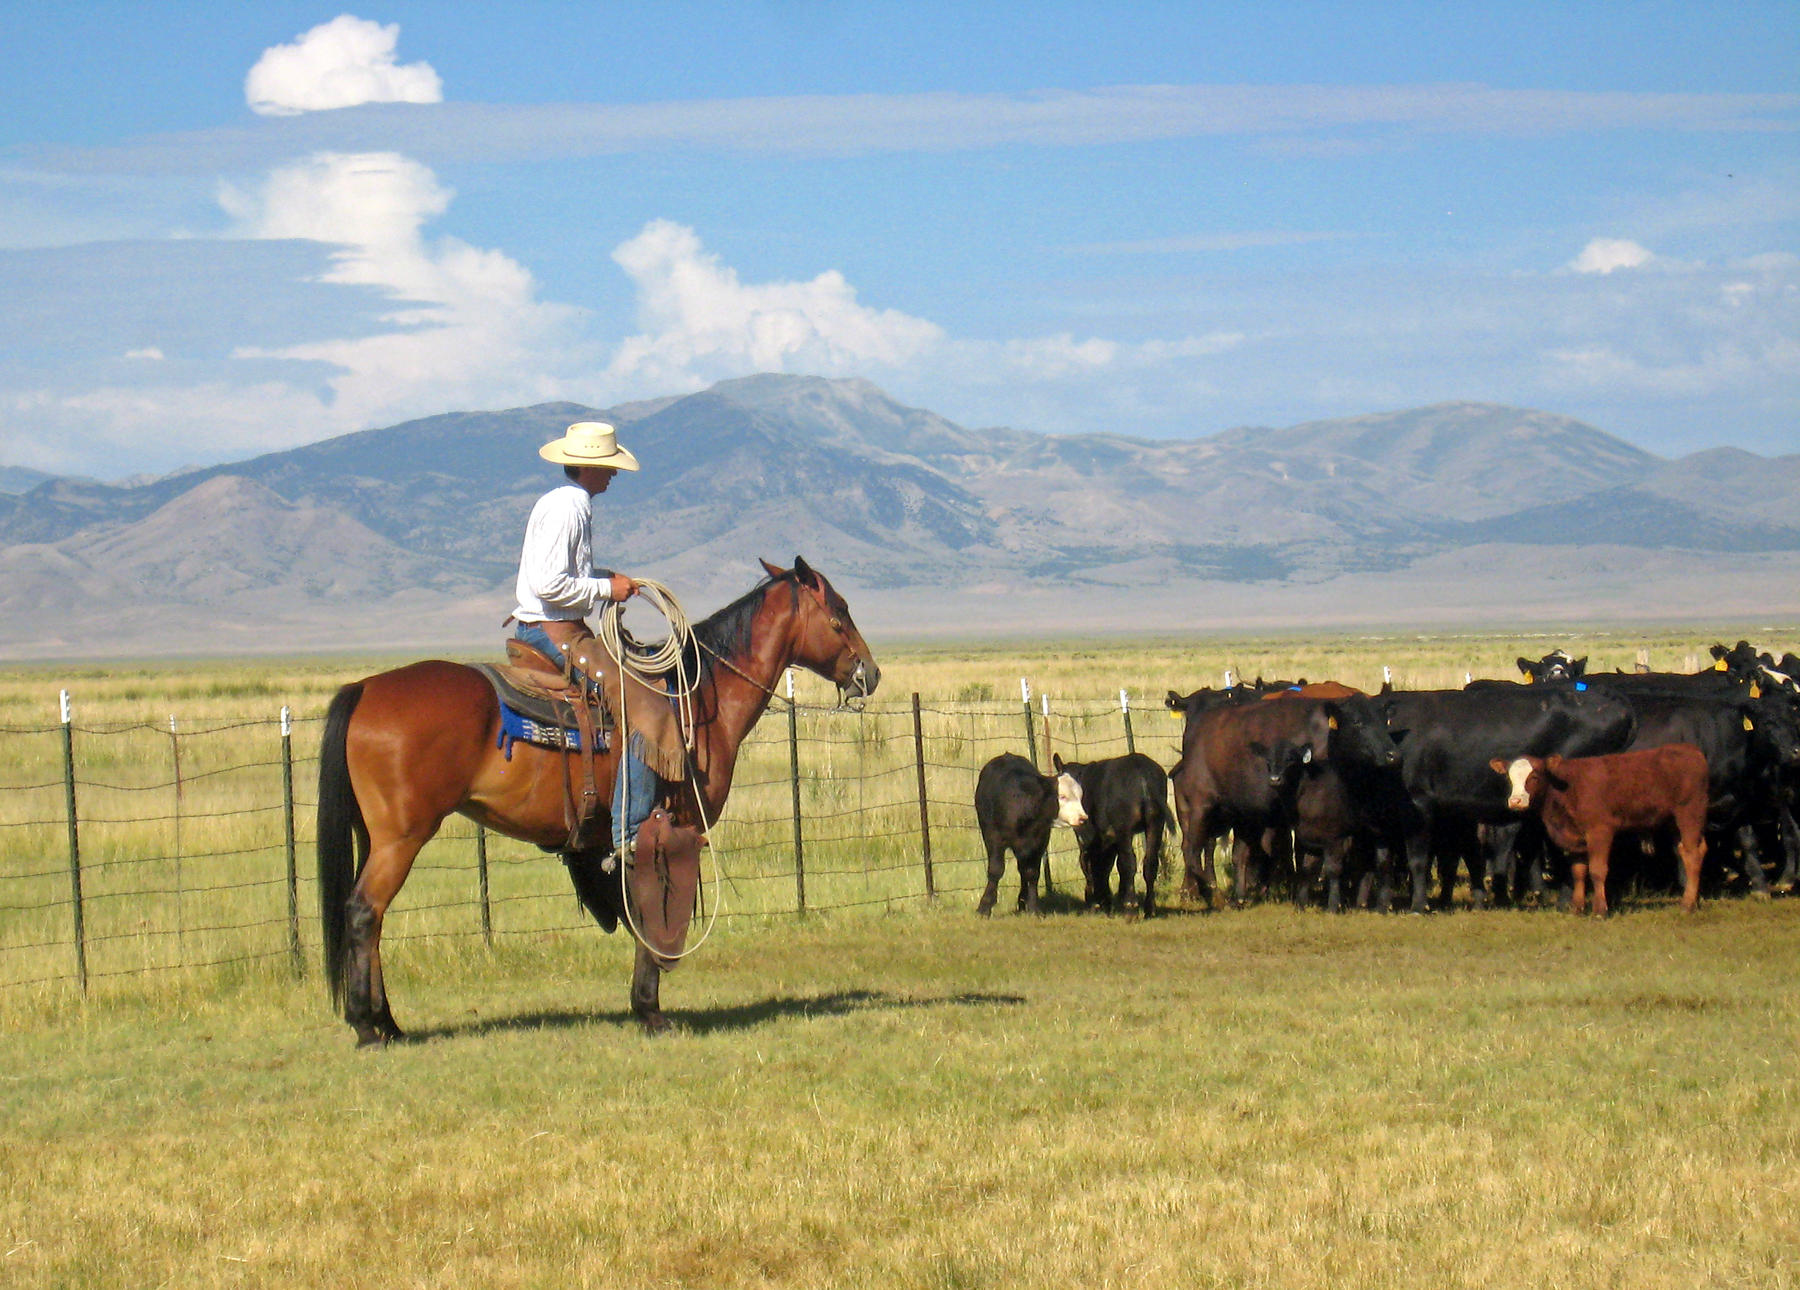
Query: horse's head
[{"x": 825, "y": 639}]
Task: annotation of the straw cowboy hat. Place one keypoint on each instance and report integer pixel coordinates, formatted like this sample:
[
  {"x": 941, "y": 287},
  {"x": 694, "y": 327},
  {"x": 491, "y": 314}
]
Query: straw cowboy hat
[{"x": 588, "y": 443}]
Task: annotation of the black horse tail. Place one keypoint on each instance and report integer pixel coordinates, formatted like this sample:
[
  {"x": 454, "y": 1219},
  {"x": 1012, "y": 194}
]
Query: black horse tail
[{"x": 342, "y": 836}]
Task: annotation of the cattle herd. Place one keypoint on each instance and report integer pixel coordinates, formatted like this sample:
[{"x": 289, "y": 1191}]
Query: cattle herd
[{"x": 1535, "y": 790}]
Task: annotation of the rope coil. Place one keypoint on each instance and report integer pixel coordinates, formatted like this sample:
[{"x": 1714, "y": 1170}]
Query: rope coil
[{"x": 649, "y": 665}]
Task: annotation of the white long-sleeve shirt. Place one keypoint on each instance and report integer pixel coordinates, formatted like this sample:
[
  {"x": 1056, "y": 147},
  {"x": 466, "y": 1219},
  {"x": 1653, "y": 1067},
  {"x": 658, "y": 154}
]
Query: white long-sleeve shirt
[{"x": 556, "y": 564}]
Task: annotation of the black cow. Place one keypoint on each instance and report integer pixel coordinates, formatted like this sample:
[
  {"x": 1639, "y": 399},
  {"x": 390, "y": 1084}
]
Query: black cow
[
  {"x": 1235, "y": 765},
  {"x": 1122, "y": 796},
  {"x": 1557, "y": 665},
  {"x": 1449, "y": 737},
  {"x": 1016, "y": 808}
]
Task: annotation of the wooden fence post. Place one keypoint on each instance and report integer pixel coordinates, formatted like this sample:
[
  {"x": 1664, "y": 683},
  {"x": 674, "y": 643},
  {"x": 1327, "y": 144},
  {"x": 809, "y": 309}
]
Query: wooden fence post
[
  {"x": 68, "y": 742},
  {"x": 1125, "y": 712},
  {"x": 481, "y": 875},
  {"x": 794, "y": 778},
  {"x": 180, "y": 881},
  {"x": 924, "y": 810},
  {"x": 1030, "y": 734},
  {"x": 293, "y": 872}
]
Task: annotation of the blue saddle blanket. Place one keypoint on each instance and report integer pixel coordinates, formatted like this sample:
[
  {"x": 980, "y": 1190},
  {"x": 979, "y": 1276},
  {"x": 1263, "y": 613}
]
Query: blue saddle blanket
[{"x": 515, "y": 726}]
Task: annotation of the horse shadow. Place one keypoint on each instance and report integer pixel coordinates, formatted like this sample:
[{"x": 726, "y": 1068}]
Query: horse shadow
[{"x": 719, "y": 1020}]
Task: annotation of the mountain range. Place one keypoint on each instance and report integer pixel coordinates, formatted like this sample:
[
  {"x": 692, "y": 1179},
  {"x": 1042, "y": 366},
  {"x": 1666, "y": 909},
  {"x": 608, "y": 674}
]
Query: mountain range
[{"x": 413, "y": 530}]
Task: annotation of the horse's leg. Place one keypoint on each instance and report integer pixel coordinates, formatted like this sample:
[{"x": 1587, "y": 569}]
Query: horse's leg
[
  {"x": 365, "y": 996},
  {"x": 646, "y": 991}
]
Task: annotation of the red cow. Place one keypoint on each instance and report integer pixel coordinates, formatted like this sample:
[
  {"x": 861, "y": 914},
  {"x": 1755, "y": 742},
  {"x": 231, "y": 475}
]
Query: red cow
[{"x": 1584, "y": 801}]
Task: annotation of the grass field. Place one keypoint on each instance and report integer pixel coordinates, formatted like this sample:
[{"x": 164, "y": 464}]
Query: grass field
[
  {"x": 894, "y": 1093},
  {"x": 1261, "y": 1098}
]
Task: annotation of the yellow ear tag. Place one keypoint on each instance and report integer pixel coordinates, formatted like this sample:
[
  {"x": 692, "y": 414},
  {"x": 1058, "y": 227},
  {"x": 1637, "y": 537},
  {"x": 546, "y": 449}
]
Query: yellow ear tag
[
  {"x": 1331, "y": 723},
  {"x": 1748, "y": 724},
  {"x": 1720, "y": 666},
  {"x": 1525, "y": 674},
  {"x": 1176, "y": 714},
  {"x": 1755, "y": 690}
]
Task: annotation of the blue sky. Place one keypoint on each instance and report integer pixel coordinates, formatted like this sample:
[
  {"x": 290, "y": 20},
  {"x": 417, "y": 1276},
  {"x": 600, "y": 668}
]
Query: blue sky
[{"x": 229, "y": 228}]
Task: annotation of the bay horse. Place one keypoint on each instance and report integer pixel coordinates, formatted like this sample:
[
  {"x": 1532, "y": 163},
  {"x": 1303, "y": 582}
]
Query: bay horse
[{"x": 404, "y": 749}]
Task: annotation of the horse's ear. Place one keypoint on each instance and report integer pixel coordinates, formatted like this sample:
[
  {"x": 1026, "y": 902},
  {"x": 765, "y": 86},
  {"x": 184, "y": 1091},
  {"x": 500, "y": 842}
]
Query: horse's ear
[
  {"x": 805, "y": 572},
  {"x": 772, "y": 570}
]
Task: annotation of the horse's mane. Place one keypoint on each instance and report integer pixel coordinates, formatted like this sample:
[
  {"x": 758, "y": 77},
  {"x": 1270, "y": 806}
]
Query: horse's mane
[{"x": 726, "y": 633}]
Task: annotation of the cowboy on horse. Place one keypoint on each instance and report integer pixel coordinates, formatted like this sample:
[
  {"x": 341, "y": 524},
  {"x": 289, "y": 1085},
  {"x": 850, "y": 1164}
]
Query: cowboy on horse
[
  {"x": 558, "y": 587},
  {"x": 404, "y": 749}
]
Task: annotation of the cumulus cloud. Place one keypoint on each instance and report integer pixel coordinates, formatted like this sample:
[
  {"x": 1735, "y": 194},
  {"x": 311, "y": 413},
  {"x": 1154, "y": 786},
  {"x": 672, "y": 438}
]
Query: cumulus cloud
[
  {"x": 338, "y": 64},
  {"x": 700, "y": 321},
  {"x": 1608, "y": 254},
  {"x": 465, "y": 326}
]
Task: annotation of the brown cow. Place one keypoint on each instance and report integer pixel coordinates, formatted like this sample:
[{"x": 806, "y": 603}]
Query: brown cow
[
  {"x": 1584, "y": 801},
  {"x": 1315, "y": 690}
]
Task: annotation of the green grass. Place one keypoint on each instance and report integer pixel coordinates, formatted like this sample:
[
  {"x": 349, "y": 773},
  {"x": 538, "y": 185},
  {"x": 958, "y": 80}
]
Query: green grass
[
  {"x": 890, "y": 1094},
  {"x": 925, "y": 1099}
]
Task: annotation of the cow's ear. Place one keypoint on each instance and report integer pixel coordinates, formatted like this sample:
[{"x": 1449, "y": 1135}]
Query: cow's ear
[
  {"x": 1579, "y": 666},
  {"x": 1057, "y": 761},
  {"x": 1498, "y": 765},
  {"x": 1260, "y": 749},
  {"x": 1525, "y": 667},
  {"x": 1174, "y": 702}
]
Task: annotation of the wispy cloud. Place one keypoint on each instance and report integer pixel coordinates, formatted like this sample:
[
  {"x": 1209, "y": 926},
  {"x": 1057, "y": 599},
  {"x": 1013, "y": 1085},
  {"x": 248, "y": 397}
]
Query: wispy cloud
[
  {"x": 1205, "y": 243},
  {"x": 859, "y": 123}
]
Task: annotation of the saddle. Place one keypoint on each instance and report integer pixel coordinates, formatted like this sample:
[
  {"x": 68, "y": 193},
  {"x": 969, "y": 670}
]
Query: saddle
[
  {"x": 543, "y": 703},
  {"x": 538, "y": 687}
]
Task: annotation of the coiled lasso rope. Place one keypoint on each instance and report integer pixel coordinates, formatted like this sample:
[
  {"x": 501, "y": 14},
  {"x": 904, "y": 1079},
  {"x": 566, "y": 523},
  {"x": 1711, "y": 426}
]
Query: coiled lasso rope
[{"x": 649, "y": 665}]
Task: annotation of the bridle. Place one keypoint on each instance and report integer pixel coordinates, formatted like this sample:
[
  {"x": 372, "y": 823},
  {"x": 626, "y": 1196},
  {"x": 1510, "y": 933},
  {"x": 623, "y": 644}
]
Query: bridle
[
  {"x": 859, "y": 675},
  {"x": 848, "y": 699}
]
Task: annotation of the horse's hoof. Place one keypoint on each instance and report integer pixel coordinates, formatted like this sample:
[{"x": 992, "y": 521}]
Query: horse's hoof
[
  {"x": 654, "y": 1023},
  {"x": 371, "y": 1038}
]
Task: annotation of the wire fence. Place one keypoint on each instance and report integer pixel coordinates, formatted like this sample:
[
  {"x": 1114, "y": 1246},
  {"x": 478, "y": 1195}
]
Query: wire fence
[{"x": 129, "y": 849}]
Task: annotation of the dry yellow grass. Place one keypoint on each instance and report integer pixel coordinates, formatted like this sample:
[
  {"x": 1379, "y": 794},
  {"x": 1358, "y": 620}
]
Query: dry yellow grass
[{"x": 925, "y": 1100}]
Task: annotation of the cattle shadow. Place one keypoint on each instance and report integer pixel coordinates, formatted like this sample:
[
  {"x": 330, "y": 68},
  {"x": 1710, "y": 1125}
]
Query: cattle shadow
[{"x": 719, "y": 1020}]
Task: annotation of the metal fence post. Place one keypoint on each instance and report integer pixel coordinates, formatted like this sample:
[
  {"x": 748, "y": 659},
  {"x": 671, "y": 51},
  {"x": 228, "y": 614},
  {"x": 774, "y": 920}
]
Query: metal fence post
[
  {"x": 794, "y": 778},
  {"x": 924, "y": 810},
  {"x": 293, "y": 872},
  {"x": 1030, "y": 734},
  {"x": 1125, "y": 711},
  {"x": 481, "y": 874},
  {"x": 68, "y": 742}
]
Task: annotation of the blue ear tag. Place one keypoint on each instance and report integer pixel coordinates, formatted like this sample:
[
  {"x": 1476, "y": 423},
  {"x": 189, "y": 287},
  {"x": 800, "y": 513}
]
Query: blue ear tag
[{"x": 1581, "y": 685}]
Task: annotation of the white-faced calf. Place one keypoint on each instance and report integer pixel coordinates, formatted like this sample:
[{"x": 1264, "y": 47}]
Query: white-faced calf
[
  {"x": 1585, "y": 801},
  {"x": 1016, "y": 808}
]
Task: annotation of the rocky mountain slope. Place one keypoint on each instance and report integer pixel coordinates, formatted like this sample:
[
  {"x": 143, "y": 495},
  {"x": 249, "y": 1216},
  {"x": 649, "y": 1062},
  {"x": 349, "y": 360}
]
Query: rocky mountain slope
[{"x": 886, "y": 497}]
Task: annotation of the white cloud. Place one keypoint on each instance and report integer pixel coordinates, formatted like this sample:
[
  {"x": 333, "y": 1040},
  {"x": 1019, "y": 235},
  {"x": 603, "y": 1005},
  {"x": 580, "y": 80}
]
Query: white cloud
[
  {"x": 700, "y": 321},
  {"x": 338, "y": 64},
  {"x": 1607, "y": 254},
  {"x": 149, "y": 352},
  {"x": 468, "y": 328}
]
